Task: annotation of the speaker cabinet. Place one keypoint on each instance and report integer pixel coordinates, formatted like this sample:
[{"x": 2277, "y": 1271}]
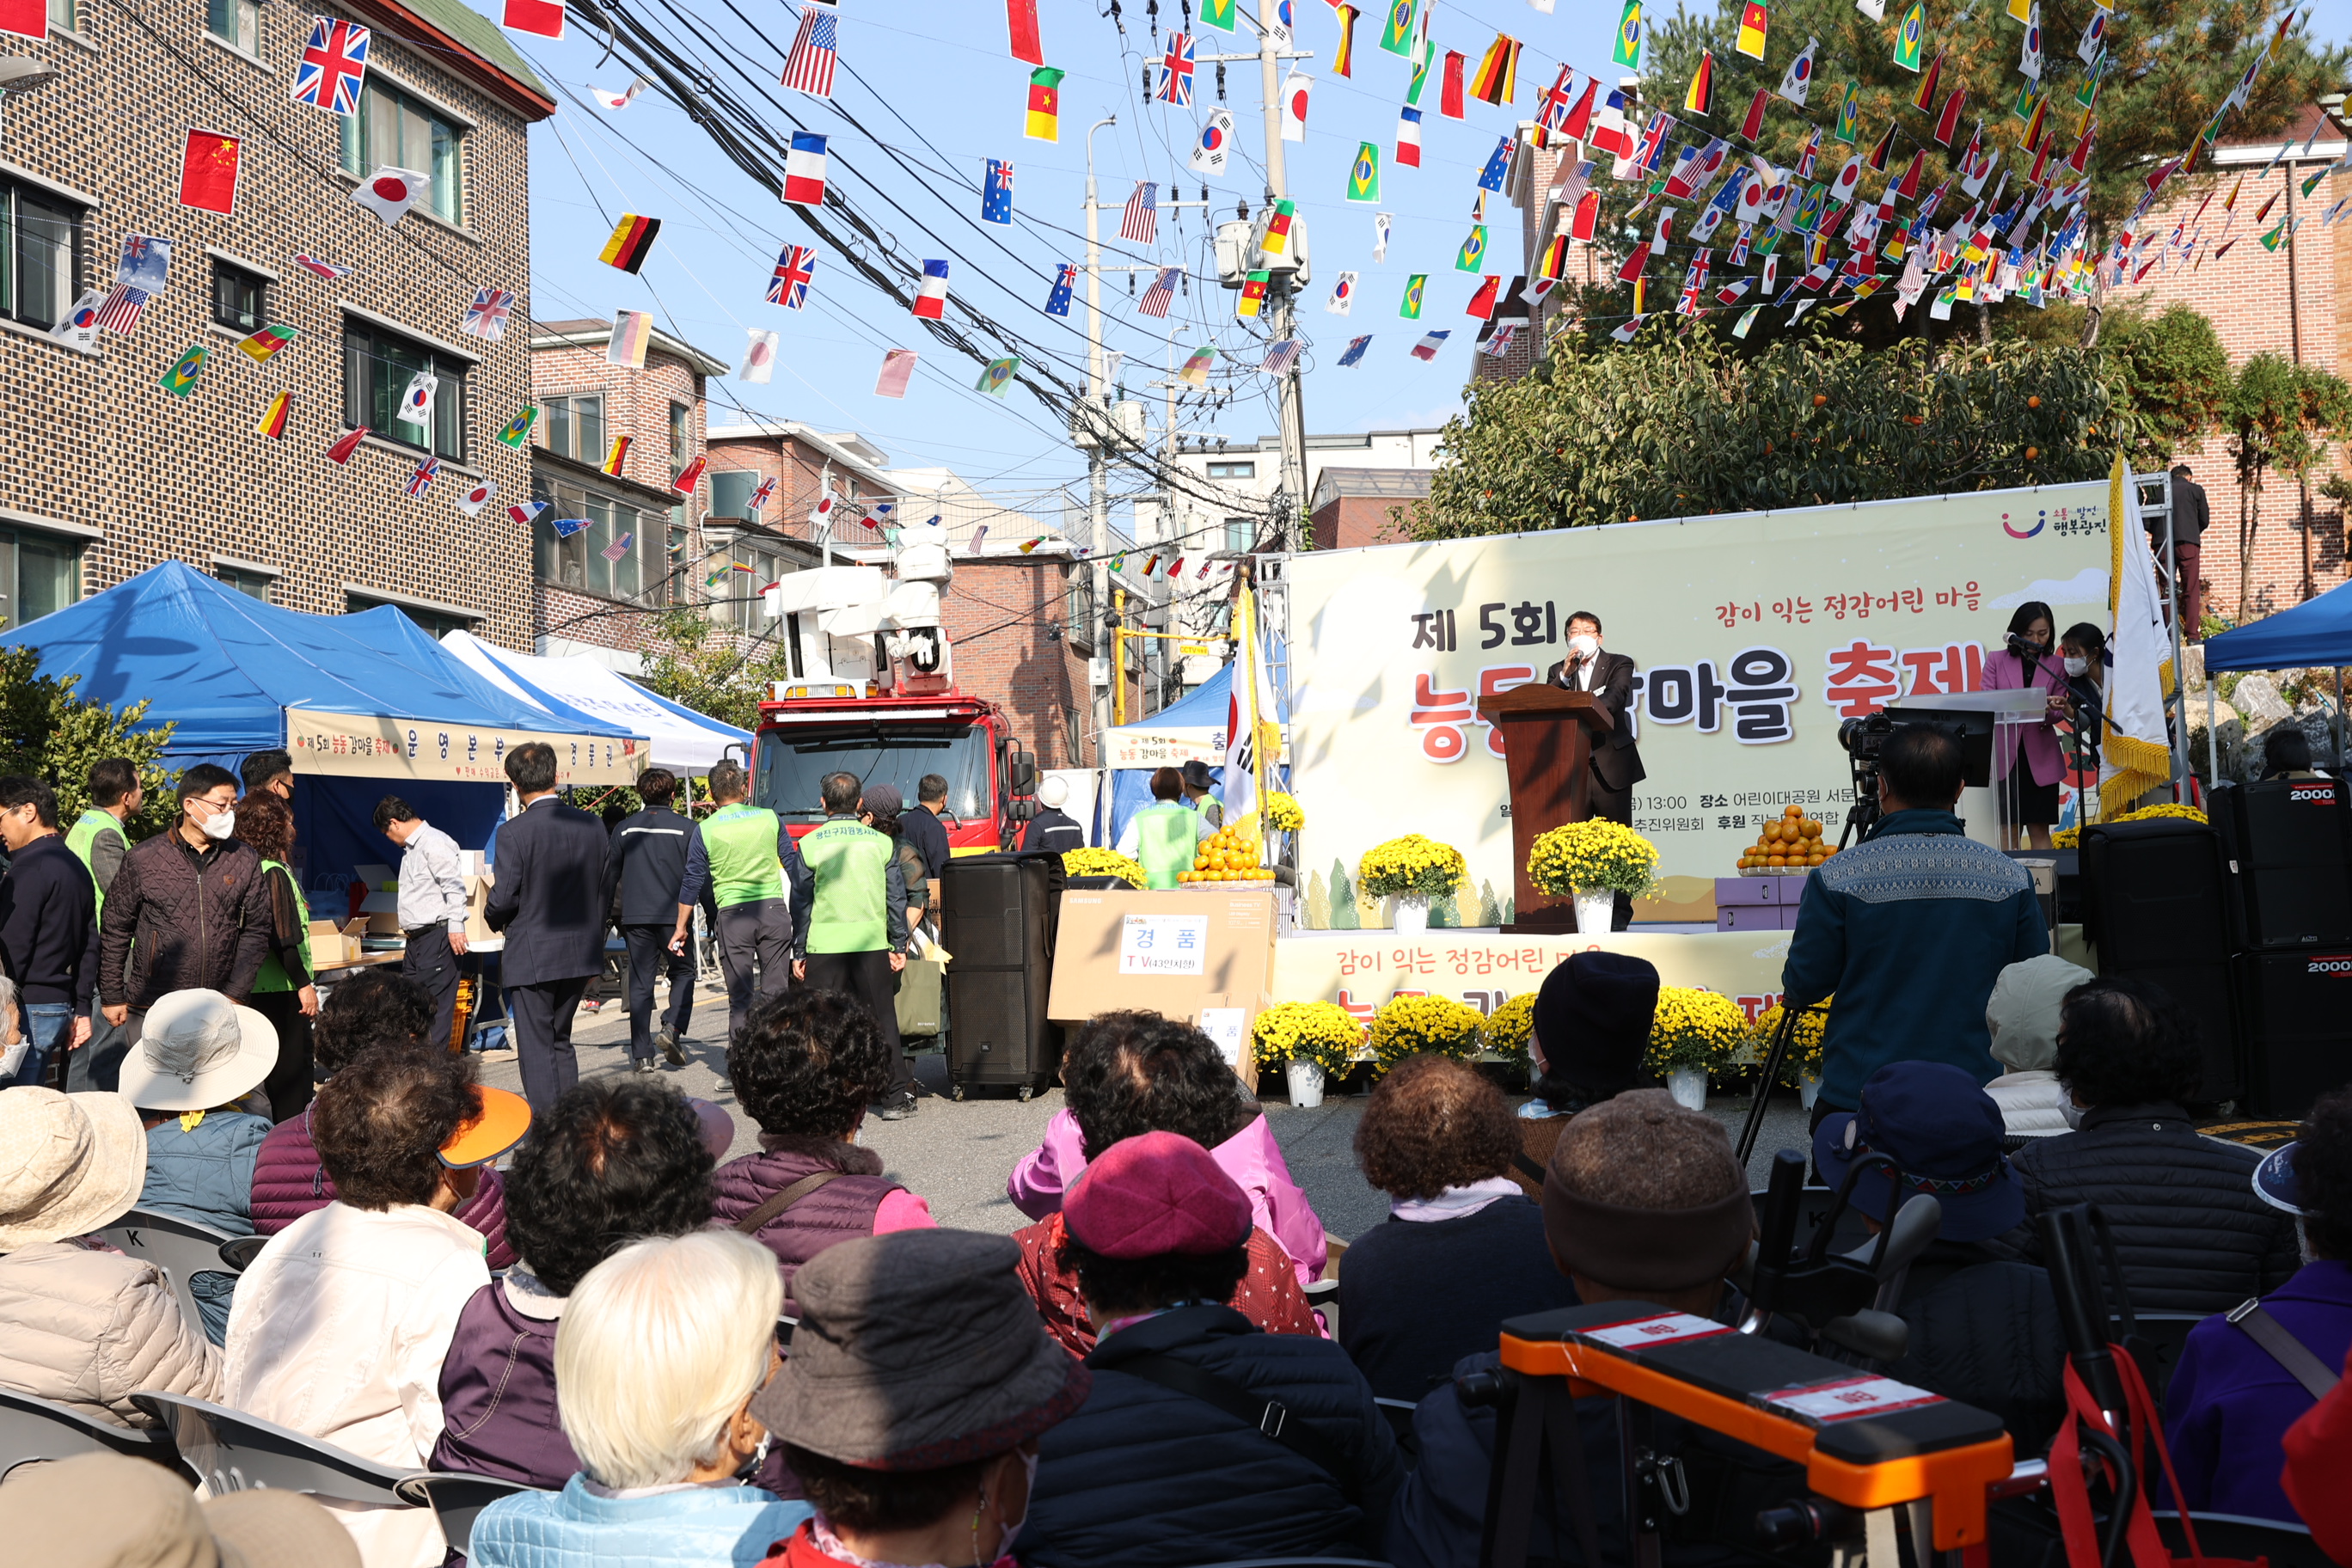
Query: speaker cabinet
[
  {"x": 2153, "y": 901},
  {"x": 998, "y": 916},
  {"x": 2288, "y": 845},
  {"x": 2298, "y": 1027}
]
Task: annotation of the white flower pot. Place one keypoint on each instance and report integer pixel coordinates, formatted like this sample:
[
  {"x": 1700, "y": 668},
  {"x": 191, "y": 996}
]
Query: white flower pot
[
  {"x": 1808, "y": 1088},
  {"x": 1594, "y": 911},
  {"x": 1412, "y": 912},
  {"x": 1689, "y": 1085},
  {"x": 1306, "y": 1083}
]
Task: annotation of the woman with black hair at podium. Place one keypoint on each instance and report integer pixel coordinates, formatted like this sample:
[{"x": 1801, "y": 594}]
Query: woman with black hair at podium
[{"x": 2026, "y": 764}]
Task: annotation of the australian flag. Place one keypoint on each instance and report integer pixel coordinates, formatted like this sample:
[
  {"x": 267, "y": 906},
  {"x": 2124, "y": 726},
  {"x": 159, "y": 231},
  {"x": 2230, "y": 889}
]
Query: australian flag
[
  {"x": 1057, "y": 302},
  {"x": 1355, "y": 351},
  {"x": 146, "y": 262},
  {"x": 996, "y": 194},
  {"x": 1498, "y": 166}
]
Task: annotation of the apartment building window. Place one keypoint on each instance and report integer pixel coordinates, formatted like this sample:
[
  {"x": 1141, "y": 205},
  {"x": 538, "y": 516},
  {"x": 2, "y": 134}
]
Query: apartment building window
[
  {"x": 742, "y": 606},
  {"x": 573, "y": 427},
  {"x": 616, "y": 556},
  {"x": 237, "y": 23},
  {"x": 241, "y": 298},
  {"x": 434, "y": 623},
  {"x": 1232, "y": 470},
  {"x": 253, "y": 584},
  {"x": 681, "y": 438},
  {"x": 40, "y": 573},
  {"x": 40, "y": 240},
  {"x": 1081, "y": 608},
  {"x": 1239, "y": 533},
  {"x": 378, "y": 365},
  {"x": 394, "y": 129},
  {"x": 731, "y": 491},
  {"x": 64, "y": 17}
]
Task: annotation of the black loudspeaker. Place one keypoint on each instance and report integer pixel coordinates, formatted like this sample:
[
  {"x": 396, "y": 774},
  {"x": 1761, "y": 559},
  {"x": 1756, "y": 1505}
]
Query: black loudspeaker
[
  {"x": 2153, "y": 908},
  {"x": 997, "y": 918},
  {"x": 2298, "y": 1027},
  {"x": 2288, "y": 843}
]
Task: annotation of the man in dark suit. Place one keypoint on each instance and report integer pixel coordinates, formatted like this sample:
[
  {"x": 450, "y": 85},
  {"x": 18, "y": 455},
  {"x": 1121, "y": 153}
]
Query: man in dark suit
[
  {"x": 1616, "y": 760},
  {"x": 549, "y": 897},
  {"x": 2191, "y": 515}
]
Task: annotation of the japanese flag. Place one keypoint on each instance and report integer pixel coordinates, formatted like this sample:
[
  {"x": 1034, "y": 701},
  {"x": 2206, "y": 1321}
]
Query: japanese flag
[
  {"x": 1751, "y": 195},
  {"x": 475, "y": 500},
  {"x": 417, "y": 403},
  {"x": 390, "y": 193},
  {"x": 1294, "y": 106},
  {"x": 1848, "y": 177},
  {"x": 759, "y": 358}
]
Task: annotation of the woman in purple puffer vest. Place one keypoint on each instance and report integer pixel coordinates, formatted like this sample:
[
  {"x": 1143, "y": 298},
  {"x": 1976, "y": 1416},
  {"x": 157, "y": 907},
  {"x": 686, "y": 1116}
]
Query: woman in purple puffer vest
[{"x": 377, "y": 1008}]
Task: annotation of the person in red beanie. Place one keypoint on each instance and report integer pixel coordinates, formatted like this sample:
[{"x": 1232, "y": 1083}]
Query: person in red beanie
[{"x": 1170, "y": 1461}]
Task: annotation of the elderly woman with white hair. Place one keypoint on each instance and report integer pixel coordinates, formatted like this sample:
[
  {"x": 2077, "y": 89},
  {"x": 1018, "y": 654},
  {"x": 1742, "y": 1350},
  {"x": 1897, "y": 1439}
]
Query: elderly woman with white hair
[
  {"x": 2022, "y": 1016},
  {"x": 663, "y": 1346}
]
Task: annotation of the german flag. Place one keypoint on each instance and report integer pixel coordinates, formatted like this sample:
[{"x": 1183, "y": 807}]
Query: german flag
[
  {"x": 616, "y": 455},
  {"x": 273, "y": 418},
  {"x": 633, "y": 239},
  {"x": 1924, "y": 100},
  {"x": 1700, "y": 99},
  {"x": 1499, "y": 73}
]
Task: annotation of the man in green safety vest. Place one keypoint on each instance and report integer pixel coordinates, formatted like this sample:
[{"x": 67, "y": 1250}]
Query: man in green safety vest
[
  {"x": 1164, "y": 835},
  {"x": 100, "y": 840},
  {"x": 849, "y": 928},
  {"x": 744, "y": 854}
]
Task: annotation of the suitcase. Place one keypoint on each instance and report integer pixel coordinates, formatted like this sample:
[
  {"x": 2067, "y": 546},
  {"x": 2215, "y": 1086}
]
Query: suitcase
[{"x": 998, "y": 914}]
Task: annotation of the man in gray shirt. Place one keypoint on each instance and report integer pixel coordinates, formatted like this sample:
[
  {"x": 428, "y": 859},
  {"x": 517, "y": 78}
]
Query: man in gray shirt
[{"x": 432, "y": 907}]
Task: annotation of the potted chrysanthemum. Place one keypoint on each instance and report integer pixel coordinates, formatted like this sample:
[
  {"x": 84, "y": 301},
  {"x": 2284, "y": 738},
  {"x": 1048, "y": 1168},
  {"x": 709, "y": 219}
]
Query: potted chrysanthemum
[
  {"x": 1592, "y": 862},
  {"x": 1315, "y": 1041},
  {"x": 1693, "y": 1033},
  {"x": 1414, "y": 871}
]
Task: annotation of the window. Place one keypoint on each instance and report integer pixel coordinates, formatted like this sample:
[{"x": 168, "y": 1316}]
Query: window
[
  {"x": 378, "y": 365},
  {"x": 40, "y": 573},
  {"x": 731, "y": 491},
  {"x": 1081, "y": 608},
  {"x": 740, "y": 605},
  {"x": 237, "y": 23},
  {"x": 1232, "y": 470},
  {"x": 240, "y": 299},
  {"x": 1240, "y": 531},
  {"x": 615, "y": 557},
  {"x": 40, "y": 242},
  {"x": 63, "y": 16},
  {"x": 681, "y": 438},
  {"x": 434, "y": 623},
  {"x": 393, "y": 130},
  {"x": 253, "y": 584},
  {"x": 573, "y": 428}
]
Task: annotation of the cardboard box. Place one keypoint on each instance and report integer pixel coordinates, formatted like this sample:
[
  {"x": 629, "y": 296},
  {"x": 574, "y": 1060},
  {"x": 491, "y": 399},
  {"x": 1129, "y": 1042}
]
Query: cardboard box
[
  {"x": 478, "y": 899},
  {"x": 336, "y": 941},
  {"x": 1205, "y": 957}
]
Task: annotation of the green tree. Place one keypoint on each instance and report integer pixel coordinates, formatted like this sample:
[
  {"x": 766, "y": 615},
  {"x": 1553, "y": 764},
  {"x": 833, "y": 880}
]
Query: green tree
[
  {"x": 49, "y": 734},
  {"x": 2171, "y": 372},
  {"x": 695, "y": 663},
  {"x": 2281, "y": 415}
]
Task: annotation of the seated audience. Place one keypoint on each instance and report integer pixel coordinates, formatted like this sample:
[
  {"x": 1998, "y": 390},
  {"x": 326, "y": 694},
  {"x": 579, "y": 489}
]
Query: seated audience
[
  {"x": 916, "y": 1389},
  {"x": 805, "y": 1066},
  {"x": 1464, "y": 1247},
  {"x": 2022, "y": 1016},
  {"x": 2286, "y": 755},
  {"x": 1156, "y": 1468},
  {"x": 110, "y": 1511},
  {"x": 2192, "y": 1235},
  {"x": 1586, "y": 1039},
  {"x": 341, "y": 1324},
  {"x": 80, "y": 1324},
  {"x": 198, "y": 1056},
  {"x": 376, "y": 1007},
  {"x": 1984, "y": 1325},
  {"x": 1139, "y": 1072},
  {"x": 663, "y": 1349},
  {"x": 617, "y": 1159},
  {"x": 2233, "y": 1399},
  {"x": 1643, "y": 1202}
]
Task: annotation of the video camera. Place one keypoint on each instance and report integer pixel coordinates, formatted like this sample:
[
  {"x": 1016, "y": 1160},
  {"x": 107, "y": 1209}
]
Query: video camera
[{"x": 1864, "y": 740}]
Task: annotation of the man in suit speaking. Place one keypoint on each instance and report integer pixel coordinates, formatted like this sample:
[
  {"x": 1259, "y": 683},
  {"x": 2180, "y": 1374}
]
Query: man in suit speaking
[
  {"x": 548, "y": 898},
  {"x": 1617, "y": 760}
]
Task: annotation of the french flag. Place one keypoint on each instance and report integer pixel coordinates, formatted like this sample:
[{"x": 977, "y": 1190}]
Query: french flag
[
  {"x": 1408, "y": 141},
  {"x": 932, "y": 300},
  {"x": 804, "y": 170}
]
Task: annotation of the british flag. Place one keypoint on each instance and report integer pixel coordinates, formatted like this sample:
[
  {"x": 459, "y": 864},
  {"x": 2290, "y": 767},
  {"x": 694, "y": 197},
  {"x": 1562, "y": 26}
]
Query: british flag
[
  {"x": 762, "y": 496},
  {"x": 332, "y": 67},
  {"x": 1176, "y": 71},
  {"x": 1161, "y": 294},
  {"x": 486, "y": 316},
  {"x": 427, "y": 470},
  {"x": 794, "y": 270},
  {"x": 327, "y": 269},
  {"x": 809, "y": 68},
  {"x": 121, "y": 311},
  {"x": 1140, "y": 221}
]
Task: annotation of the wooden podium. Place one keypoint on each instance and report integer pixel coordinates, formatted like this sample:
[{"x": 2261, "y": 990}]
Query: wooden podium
[{"x": 1548, "y": 733}]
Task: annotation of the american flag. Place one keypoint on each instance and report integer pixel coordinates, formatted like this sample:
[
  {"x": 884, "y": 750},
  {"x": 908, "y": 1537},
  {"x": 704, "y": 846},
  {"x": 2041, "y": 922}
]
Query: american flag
[
  {"x": 1161, "y": 294},
  {"x": 121, "y": 311},
  {"x": 486, "y": 316},
  {"x": 1280, "y": 357},
  {"x": 1140, "y": 222},
  {"x": 427, "y": 470},
  {"x": 794, "y": 268},
  {"x": 332, "y": 67},
  {"x": 326, "y": 270},
  {"x": 809, "y": 68}
]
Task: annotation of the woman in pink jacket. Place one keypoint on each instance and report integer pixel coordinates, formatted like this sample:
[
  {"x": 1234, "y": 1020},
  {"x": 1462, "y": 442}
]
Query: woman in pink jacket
[{"x": 2026, "y": 764}]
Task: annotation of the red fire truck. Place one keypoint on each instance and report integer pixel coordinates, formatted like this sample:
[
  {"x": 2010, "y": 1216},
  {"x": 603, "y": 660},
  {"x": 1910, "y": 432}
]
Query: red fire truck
[{"x": 820, "y": 727}]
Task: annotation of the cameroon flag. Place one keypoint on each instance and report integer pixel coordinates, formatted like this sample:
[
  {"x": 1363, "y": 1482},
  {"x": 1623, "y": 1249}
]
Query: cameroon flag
[
  {"x": 1252, "y": 298},
  {"x": 1754, "y": 22},
  {"x": 1045, "y": 104},
  {"x": 266, "y": 343}
]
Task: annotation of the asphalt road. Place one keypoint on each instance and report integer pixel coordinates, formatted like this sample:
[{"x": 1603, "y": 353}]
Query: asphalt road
[{"x": 957, "y": 1154}]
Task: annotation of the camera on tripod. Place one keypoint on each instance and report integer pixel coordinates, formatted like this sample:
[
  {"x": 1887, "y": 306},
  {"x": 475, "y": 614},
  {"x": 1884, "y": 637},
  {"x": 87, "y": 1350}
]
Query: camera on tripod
[{"x": 1865, "y": 742}]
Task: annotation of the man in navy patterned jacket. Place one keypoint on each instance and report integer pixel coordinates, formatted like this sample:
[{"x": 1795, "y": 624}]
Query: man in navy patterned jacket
[{"x": 1910, "y": 928}]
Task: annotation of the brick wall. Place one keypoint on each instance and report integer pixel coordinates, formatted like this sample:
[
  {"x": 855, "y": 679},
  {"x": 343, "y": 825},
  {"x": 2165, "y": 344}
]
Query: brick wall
[
  {"x": 92, "y": 440},
  {"x": 1009, "y": 623},
  {"x": 1345, "y": 522},
  {"x": 799, "y": 470}
]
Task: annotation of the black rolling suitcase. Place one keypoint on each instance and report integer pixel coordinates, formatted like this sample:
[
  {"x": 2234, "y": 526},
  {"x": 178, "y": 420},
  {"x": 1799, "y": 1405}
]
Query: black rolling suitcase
[{"x": 998, "y": 914}]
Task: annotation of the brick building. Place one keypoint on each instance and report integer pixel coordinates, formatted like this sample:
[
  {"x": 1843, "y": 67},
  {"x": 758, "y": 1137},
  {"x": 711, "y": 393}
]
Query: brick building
[
  {"x": 106, "y": 473},
  {"x": 590, "y": 591},
  {"x": 1352, "y": 507}
]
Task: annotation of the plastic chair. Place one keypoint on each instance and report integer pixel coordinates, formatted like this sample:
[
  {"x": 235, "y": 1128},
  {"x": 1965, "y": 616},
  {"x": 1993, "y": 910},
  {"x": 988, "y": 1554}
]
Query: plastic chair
[
  {"x": 232, "y": 1452},
  {"x": 2236, "y": 1536},
  {"x": 455, "y": 1498},
  {"x": 33, "y": 1431},
  {"x": 239, "y": 1251},
  {"x": 181, "y": 1248}
]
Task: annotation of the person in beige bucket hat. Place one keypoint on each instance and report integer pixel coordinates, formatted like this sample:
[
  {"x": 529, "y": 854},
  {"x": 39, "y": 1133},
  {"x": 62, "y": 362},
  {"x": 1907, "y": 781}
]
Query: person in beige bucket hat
[
  {"x": 81, "y": 1324},
  {"x": 109, "y": 1511},
  {"x": 198, "y": 1050}
]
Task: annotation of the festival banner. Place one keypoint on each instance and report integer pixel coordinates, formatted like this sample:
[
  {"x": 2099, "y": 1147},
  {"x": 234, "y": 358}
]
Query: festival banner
[
  {"x": 358, "y": 745},
  {"x": 1754, "y": 636}
]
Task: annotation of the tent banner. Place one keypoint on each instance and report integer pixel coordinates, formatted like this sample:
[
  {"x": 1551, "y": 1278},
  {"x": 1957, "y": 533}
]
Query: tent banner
[
  {"x": 1755, "y": 637},
  {"x": 1131, "y": 748},
  {"x": 1363, "y": 971},
  {"x": 356, "y": 745}
]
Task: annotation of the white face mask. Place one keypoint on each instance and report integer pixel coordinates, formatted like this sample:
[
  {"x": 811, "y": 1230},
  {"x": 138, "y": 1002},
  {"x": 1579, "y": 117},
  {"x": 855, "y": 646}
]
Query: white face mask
[
  {"x": 2071, "y": 1112},
  {"x": 2076, "y": 665},
  {"x": 1584, "y": 643},
  {"x": 220, "y": 824}
]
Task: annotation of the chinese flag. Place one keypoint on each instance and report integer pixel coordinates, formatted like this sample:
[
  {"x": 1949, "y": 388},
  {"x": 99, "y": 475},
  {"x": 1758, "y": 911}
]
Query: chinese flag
[
  {"x": 208, "y": 171},
  {"x": 25, "y": 18},
  {"x": 1021, "y": 22},
  {"x": 1449, "y": 102},
  {"x": 543, "y": 18}
]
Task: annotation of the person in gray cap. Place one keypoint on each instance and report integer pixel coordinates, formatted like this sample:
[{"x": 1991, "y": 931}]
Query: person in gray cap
[{"x": 919, "y": 1383}]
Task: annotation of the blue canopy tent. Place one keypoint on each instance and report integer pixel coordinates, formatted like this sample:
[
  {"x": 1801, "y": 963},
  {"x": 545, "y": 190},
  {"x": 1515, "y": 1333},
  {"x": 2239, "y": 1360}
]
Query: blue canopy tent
[
  {"x": 1194, "y": 725},
  {"x": 368, "y": 703},
  {"x": 2315, "y": 632}
]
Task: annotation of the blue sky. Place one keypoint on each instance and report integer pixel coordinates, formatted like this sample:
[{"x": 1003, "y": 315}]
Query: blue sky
[{"x": 939, "y": 98}]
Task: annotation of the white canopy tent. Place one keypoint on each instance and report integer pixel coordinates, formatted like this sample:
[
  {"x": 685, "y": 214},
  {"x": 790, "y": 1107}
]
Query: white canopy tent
[{"x": 682, "y": 740}]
